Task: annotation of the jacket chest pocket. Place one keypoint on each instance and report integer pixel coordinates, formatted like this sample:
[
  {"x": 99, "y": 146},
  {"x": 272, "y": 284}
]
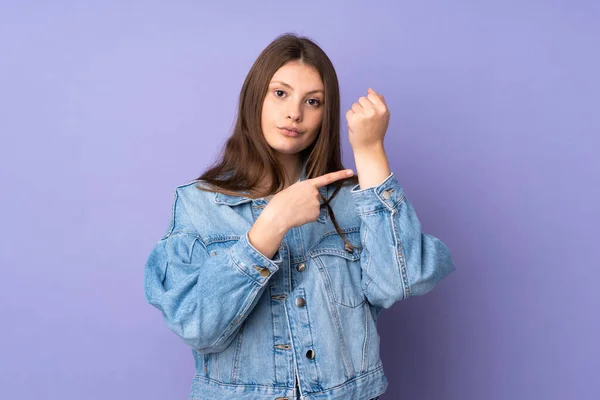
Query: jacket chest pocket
[
  {"x": 340, "y": 268},
  {"x": 219, "y": 245}
]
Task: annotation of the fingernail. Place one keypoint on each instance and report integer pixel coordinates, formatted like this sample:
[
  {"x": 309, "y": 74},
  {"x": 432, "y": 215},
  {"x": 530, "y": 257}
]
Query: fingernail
[{"x": 349, "y": 172}]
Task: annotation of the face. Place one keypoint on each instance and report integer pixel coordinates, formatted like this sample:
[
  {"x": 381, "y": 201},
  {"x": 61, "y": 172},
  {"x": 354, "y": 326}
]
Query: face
[{"x": 295, "y": 99}]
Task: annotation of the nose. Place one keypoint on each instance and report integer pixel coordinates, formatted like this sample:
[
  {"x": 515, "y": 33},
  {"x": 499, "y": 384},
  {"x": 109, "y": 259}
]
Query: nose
[{"x": 295, "y": 113}]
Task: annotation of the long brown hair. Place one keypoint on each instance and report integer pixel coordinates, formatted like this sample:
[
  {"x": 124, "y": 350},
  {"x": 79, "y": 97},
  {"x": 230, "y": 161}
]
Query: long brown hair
[{"x": 246, "y": 157}]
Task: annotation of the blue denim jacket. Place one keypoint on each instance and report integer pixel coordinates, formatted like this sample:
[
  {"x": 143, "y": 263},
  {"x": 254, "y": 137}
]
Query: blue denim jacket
[{"x": 257, "y": 326}]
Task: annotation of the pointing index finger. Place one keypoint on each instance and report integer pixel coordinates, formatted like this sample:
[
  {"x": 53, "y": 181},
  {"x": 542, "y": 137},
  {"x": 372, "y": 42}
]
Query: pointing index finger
[{"x": 331, "y": 177}]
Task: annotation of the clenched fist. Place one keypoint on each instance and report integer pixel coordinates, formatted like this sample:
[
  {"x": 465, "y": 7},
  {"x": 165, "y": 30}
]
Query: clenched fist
[{"x": 368, "y": 120}]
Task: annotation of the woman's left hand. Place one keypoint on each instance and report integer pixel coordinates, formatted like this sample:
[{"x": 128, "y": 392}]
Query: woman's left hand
[{"x": 368, "y": 120}]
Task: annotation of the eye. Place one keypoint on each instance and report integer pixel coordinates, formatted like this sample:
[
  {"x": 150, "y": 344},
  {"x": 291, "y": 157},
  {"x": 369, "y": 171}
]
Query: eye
[
  {"x": 316, "y": 102},
  {"x": 277, "y": 91}
]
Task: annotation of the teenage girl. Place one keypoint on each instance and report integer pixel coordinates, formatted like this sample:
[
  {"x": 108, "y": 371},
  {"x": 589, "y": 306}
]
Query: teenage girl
[{"x": 277, "y": 260}]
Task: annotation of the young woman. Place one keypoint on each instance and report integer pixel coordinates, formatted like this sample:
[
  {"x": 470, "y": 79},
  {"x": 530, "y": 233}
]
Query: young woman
[{"x": 277, "y": 261}]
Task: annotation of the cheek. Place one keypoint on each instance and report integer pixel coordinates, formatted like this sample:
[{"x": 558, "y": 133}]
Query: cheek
[
  {"x": 268, "y": 110},
  {"x": 265, "y": 113},
  {"x": 316, "y": 118}
]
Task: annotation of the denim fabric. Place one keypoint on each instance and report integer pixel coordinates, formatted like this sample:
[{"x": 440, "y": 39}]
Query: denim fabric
[{"x": 256, "y": 325}]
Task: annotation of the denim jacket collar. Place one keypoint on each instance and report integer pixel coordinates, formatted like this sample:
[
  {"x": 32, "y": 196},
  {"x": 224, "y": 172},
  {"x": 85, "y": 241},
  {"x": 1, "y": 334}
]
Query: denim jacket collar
[{"x": 233, "y": 200}]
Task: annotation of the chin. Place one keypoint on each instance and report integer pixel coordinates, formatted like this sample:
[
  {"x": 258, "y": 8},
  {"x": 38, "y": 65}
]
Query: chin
[
  {"x": 284, "y": 146},
  {"x": 286, "y": 150}
]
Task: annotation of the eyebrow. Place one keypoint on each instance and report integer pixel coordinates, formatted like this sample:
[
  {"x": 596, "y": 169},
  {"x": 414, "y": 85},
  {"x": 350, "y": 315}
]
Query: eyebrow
[{"x": 288, "y": 86}]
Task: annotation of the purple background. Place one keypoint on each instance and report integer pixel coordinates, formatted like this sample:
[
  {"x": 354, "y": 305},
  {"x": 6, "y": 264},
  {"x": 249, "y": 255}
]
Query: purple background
[{"x": 495, "y": 126}]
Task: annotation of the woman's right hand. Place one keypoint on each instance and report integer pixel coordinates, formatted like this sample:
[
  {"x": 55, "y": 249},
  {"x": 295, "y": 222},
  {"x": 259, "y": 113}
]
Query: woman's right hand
[{"x": 300, "y": 202}]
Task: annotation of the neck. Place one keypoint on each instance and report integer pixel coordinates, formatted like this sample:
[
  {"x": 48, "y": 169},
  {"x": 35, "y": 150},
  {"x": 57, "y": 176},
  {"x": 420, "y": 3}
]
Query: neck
[{"x": 292, "y": 164}]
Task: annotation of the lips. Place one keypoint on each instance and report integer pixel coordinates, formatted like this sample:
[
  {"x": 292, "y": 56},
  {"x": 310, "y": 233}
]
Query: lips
[
  {"x": 291, "y": 128},
  {"x": 290, "y": 131}
]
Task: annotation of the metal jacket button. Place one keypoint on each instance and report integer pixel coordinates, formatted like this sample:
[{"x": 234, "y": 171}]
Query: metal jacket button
[
  {"x": 387, "y": 194},
  {"x": 310, "y": 354},
  {"x": 300, "y": 302},
  {"x": 262, "y": 270},
  {"x": 300, "y": 267},
  {"x": 265, "y": 272}
]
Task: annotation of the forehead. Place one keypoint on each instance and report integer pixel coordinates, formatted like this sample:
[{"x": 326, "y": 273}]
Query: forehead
[{"x": 298, "y": 75}]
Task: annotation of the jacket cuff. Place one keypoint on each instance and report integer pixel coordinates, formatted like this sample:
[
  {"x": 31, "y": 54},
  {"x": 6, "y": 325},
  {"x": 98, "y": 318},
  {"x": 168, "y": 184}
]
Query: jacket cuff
[
  {"x": 387, "y": 195},
  {"x": 252, "y": 262}
]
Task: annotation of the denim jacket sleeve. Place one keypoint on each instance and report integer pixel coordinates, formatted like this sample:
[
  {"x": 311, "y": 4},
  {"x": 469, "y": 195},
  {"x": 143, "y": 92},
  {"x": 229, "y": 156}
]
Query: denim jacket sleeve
[
  {"x": 398, "y": 260},
  {"x": 203, "y": 297}
]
